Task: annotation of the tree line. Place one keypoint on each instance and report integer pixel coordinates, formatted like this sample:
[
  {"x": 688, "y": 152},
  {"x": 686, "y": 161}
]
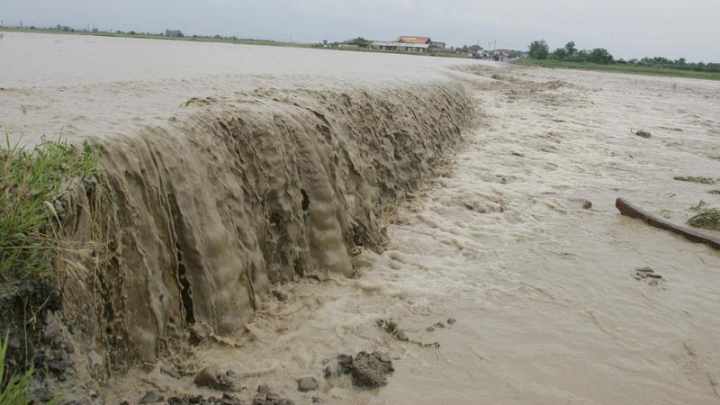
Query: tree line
[{"x": 569, "y": 53}]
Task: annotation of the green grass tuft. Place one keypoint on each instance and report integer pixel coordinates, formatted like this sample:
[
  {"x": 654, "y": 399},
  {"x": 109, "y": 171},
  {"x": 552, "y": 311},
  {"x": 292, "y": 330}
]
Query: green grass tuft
[
  {"x": 30, "y": 181},
  {"x": 716, "y": 192},
  {"x": 696, "y": 179},
  {"x": 709, "y": 219},
  {"x": 13, "y": 389}
]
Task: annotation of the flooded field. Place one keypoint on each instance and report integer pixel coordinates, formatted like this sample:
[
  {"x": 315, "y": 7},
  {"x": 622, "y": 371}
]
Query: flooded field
[{"x": 513, "y": 237}]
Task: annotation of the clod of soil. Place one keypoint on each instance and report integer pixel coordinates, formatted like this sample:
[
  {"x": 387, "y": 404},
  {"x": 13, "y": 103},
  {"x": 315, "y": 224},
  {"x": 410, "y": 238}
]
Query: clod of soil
[
  {"x": 306, "y": 384},
  {"x": 271, "y": 399},
  {"x": 370, "y": 370},
  {"x": 226, "y": 399},
  {"x": 345, "y": 363},
  {"x": 280, "y": 295},
  {"x": 451, "y": 321},
  {"x": 152, "y": 397},
  {"x": 213, "y": 377}
]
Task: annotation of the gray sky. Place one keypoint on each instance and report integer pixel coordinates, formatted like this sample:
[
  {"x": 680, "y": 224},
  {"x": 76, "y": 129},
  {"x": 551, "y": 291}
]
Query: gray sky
[{"x": 628, "y": 28}]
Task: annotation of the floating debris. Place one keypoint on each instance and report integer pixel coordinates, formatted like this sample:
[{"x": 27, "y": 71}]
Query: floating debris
[
  {"x": 391, "y": 327},
  {"x": 643, "y": 134}
]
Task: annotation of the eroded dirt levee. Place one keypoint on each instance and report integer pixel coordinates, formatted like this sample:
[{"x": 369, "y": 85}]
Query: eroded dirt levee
[{"x": 210, "y": 210}]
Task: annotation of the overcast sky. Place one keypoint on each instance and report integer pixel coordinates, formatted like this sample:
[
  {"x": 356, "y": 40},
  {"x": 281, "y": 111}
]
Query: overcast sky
[{"x": 628, "y": 28}]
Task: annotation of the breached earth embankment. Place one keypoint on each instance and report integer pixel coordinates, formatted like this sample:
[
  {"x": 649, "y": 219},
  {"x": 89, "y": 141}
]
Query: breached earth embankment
[{"x": 201, "y": 216}]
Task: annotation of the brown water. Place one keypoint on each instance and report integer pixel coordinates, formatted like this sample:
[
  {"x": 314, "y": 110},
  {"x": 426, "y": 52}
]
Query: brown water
[
  {"x": 547, "y": 308},
  {"x": 80, "y": 86}
]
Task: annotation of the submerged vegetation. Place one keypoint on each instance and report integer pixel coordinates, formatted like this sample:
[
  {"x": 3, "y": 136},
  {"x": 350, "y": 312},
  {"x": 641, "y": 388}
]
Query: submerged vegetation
[
  {"x": 696, "y": 179},
  {"x": 709, "y": 219},
  {"x": 31, "y": 181},
  {"x": 393, "y": 328}
]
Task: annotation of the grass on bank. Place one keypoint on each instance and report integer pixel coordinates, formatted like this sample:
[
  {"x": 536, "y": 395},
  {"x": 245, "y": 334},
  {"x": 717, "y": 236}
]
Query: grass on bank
[
  {"x": 30, "y": 181},
  {"x": 619, "y": 68},
  {"x": 15, "y": 389}
]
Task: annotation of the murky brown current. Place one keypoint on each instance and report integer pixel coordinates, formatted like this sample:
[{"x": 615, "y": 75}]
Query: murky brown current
[{"x": 547, "y": 308}]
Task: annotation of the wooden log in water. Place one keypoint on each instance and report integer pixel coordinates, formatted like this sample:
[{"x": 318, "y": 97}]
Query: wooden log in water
[{"x": 630, "y": 210}]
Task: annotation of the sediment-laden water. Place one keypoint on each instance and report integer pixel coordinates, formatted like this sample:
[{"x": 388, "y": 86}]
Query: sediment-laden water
[{"x": 274, "y": 180}]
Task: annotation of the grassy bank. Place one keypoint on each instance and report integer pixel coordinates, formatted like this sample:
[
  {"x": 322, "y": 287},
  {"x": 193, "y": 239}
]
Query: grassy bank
[
  {"x": 620, "y": 68},
  {"x": 31, "y": 180}
]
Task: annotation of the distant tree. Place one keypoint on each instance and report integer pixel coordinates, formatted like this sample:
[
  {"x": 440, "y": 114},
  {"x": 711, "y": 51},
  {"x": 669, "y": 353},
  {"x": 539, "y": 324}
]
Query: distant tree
[
  {"x": 600, "y": 56},
  {"x": 580, "y": 56},
  {"x": 539, "y": 49},
  {"x": 515, "y": 54},
  {"x": 360, "y": 41},
  {"x": 559, "y": 54},
  {"x": 570, "y": 49}
]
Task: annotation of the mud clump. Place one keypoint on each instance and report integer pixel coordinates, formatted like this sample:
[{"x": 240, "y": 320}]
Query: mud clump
[
  {"x": 226, "y": 399},
  {"x": 213, "y": 377},
  {"x": 345, "y": 364},
  {"x": 265, "y": 396},
  {"x": 306, "y": 384},
  {"x": 370, "y": 370},
  {"x": 152, "y": 397}
]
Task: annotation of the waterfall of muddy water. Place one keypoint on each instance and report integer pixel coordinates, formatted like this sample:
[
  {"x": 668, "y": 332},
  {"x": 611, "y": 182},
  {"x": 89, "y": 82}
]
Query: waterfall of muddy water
[
  {"x": 544, "y": 292},
  {"x": 548, "y": 310}
]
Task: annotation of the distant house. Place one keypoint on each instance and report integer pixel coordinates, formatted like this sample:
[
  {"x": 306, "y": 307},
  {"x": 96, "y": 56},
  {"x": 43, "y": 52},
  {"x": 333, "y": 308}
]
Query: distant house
[
  {"x": 399, "y": 46},
  {"x": 414, "y": 40},
  {"x": 408, "y": 43},
  {"x": 437, "y": 45}
]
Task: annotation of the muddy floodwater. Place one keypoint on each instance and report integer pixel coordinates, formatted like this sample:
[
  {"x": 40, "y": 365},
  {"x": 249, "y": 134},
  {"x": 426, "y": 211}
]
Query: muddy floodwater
[{"x": 516, "y": 239}]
